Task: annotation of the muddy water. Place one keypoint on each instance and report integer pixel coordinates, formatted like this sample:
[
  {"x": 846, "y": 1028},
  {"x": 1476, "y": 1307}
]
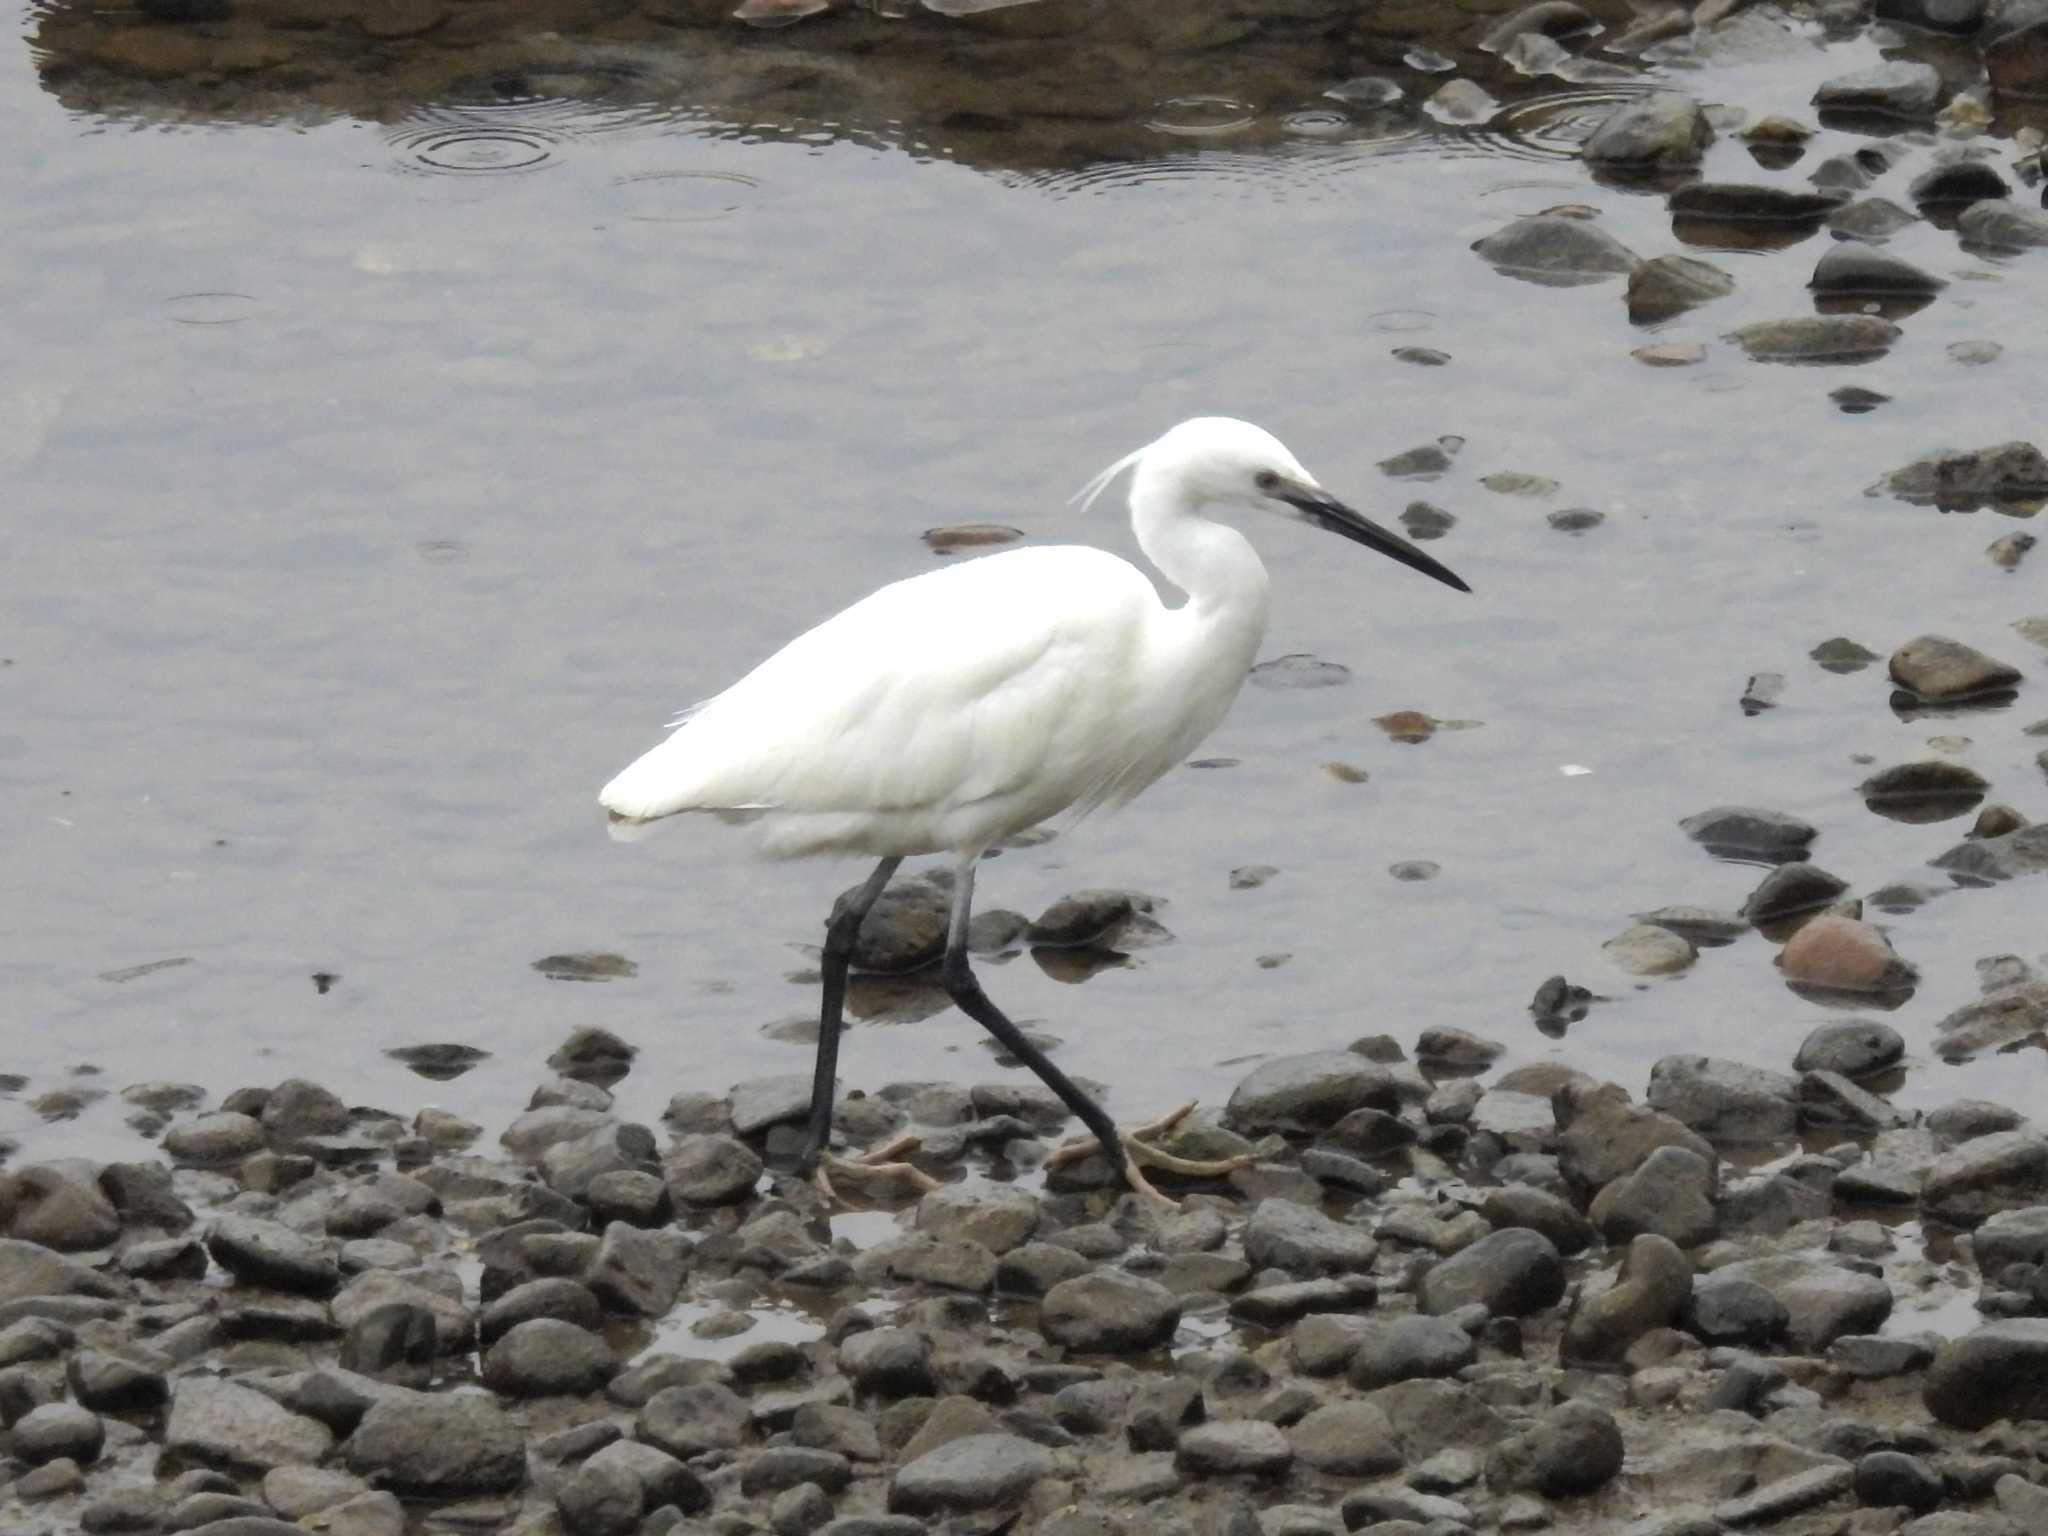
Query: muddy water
[{"x": 399, "y": 430}]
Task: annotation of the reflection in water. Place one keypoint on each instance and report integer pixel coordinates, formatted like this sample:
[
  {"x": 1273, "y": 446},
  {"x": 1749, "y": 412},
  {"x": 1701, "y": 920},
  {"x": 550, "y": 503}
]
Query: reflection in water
[{"x": 1062, "y": 89}]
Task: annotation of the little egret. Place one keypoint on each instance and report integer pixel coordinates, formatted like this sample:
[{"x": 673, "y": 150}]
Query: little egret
[{"x": 949, "y": 711}]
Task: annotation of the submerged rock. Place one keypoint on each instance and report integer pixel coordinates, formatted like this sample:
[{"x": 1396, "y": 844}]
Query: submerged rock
[
  {"x": 1662, "y": 131},
  {"x": 1895, "y": 89},
  {"x": 2003, "y": 225},
  {"x": 1816, "y": 338},
  {"x": 1936, "y": 670},
  {"x": 1842, "y": 954},
  {"x": 1744, "y": 832},
  {"x": 1964, "y": 480},
  {"x": 1665, "y": 286},
  {"x": 1556, "y": 250},
  {"x": 1850, "y": 269}
]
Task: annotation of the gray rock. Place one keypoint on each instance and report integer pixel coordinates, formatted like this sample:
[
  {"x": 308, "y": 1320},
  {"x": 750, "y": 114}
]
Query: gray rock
[
  {"x": 1428, "y": 1416},
  {"x": 2018, "y": 1236},
  {"x": 1744, "y": 832},
  {"x": 1035, "y": 1268},
  {"x": 1822, "y": 1300},
  {"x": 889, "y": 1362},
  {"x": 1651, "y": 1289},
  {"x": 2003, "y": 226},
  {"x": 2021, "y": 852},
  {"x": 1725, "y": 1101},
  {"x": 1785, "y": 1496},
  {"x": 1511, "y": 1272},
  {"x": 1284, "y": 1235},
  {"x": 547, "y": 1357},
  {"x": 1964, "y": 480},
  {"x": 1873, "y": 219},
  {"x": 1895, "y": 89},
  {"x": 999, "y": 1217},
  {"x": 1999, "y": 1172},
  {"x": 1853, "y": 1047},
  {"x": 608, "y": 1494},
  {"x": 691, "y": 1420},
  {"x": 1643, "y": 949},
  {"x": 1936, "y": 669},
  {"x": 1309, "y": 1092},
  {"x": 1665, "y": 286},
  {"x": 1853, "y": 269},
  {"x": 51, "y": 1430},
  {"x": 1998, "y": 1371},
  {"x": 905, "y": 930},
  {"x": 1109, "y": 1312},
  {"x": 432, "y": 1445},
  {"x": 1954, "y": 183},
  {"x": 1347, "y": 1439},
  {"x": 551, "y": 1296},
  {"x": 638, "y": 1272},
  {"x": 1829, "y": 1098},
  {"x": 571, "y": 1167},
  {"x": 1728, "y": 1309},
  {"x": 225, "y": 1424},
  {"x": 217, "y": 1138},
  {"x": 1524, "y": 1205},
  {"x": 1658, "y": 132},
  {"x": 1605, "y": 1137},
  {"x": 397, "y": 1342},
  {"x": 1556, "y": 250},
  {"x": 1750, "y": 203},
  {"x": 297, "y": 1109},
  {"x": 2025, "y": 1504},
  {"x": 782, "y": 1467},
  {"x": 1402, "y": 1348},
  {"x": 438, "y": 1292},
  {"x": 974, "y": 1472},
  {"x": 59, "y": 1206},
  {"x": 1671, "y": 1195},
  {"x": 761, "y": 1102},
  {"x": 1873, "y": 1357},
  {"x": 267, "y": 1253},
  {"x": 107, "y": 1383},
  {"x": 1816, "y": 338},
  {"x": 1234, "y": 1447},
  {"x": 1523, "y": 1122},
  {"x": 1572, "y": 1449}
]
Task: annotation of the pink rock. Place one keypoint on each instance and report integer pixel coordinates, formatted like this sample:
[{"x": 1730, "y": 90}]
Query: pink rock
[{"x": 1846, "y": 955}]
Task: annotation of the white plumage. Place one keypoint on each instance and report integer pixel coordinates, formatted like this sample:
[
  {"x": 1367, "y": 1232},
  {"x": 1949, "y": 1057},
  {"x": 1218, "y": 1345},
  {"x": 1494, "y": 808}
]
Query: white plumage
[{"x": 943, "y": 713}]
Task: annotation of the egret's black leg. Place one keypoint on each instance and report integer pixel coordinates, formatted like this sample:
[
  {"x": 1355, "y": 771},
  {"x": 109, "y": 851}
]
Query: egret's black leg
[
  {"x": 840, "y": 933},
  {"x": 967, "y": 995}
]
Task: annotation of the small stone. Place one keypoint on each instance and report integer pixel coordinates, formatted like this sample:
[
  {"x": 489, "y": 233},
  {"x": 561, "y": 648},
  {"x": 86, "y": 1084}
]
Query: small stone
[
  {"x": 1651, "y": 1289},
  {"x": 1234, "y": 1447},
  {"x": 1727, "y": 1309},
  {"x": 1109, "y": 1312},
  {"x": 213, "y": 1139},
  {"x": 1665, "y": 286},
  {"x": 1998, "y": 1371},
  {"x": 1844, "y": 955},
  {"x": 1347, "y": 1439},
  {"x": 1403, "y": 1348},
  {"x": 1897, "y": 89},
  {"x": 1744, "y": 832},
  {"x": 54, "y": 1430},
  {"x": 1954, "y": 480},
  {"x": 1309, "y": 1092},
  {"x": 972, "y": 1473},
  {"x": 1816, "y": 338},
  {"x": 225, "y": 1424},
  {"x": 1659, "y": 132},
  {"x": 1645, "y": 950},
  {"x": 1725, "y": 1100},
  {"x": 1936, "y": 669},
  {"x": 1791, "y": 890},
  {"x": 1570, "y": 1450},
  {"x": 1284, "y": 1235},
  {"x": 545, "y": 1356},
  {"x": 1556, "y": 251},
  {"x": 1991, "y": 1173},
  {"x": 437, "y": 1445},
  {"x": 1670, "y": 1194},
  {"x": 1511, "y": 1272}
]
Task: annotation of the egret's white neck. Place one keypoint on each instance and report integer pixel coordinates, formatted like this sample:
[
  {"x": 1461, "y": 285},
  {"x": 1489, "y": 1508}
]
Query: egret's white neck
[{"x": 1214, "y": 564}]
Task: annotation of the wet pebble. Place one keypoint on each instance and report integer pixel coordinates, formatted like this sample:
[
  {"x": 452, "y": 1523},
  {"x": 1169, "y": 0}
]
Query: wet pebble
[
  {"x": 1791, "y": 890},
  {"x": 1659, "y": 132},
  {"x": 1556, "y": 250},
  {"x": 1569, "y": 1450},
  {"x": 974, "y": 1472},
  {"x": 1842, "y": 954},
  {"x": 1665, "y": 286},
  {"x": 2003, "y": 226},
  {"x": 1109, "y": 1312},
  {"x": 1853, "y": 1047},
  {"x": 1669, "y": 1195},
  {"x": 1744, "y": 832},
  {"x": 2007, "y": 551},
  {"x": 1964, "y": 480},
  {"x": 1511, "y": 1272},
  {"x": 1645, "y": 950},
  {"x": 1852, "y": 269},
  {"x": 1936, "y": 669},
  {"x": 1997, "y": 1371},
  {"x": 1816, "y": 338},
  {"x": 1897, "y": 89}
]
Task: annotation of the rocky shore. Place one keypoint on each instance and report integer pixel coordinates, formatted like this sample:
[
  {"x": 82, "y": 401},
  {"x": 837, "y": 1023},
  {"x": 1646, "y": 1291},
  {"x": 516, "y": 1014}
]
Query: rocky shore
[{"x": 1435, "y": 1303}]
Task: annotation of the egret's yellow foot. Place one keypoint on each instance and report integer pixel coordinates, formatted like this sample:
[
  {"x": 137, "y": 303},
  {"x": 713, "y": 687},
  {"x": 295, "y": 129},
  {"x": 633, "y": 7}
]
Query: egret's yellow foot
[{"x": 1139, "y": 1154}]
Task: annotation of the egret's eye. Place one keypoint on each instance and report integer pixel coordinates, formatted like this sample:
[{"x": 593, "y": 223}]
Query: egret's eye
[{"x": 1266, "y": 480}]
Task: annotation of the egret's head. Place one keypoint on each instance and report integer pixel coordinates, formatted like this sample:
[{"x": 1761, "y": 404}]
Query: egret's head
[{"x": 1220, "y": 461}]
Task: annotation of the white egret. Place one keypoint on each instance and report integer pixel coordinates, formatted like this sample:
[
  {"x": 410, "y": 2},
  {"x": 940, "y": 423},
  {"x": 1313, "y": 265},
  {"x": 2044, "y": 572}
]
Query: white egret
[{"x": 949, "y": 711}]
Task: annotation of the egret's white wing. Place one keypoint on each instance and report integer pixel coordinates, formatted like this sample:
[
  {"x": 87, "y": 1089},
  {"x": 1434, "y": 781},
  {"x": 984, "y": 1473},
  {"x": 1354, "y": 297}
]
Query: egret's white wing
[{"x": 950, "y": 689}]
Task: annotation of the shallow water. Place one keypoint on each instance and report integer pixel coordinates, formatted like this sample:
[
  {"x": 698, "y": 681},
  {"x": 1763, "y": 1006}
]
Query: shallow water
[{"x": 397, "y": 437}]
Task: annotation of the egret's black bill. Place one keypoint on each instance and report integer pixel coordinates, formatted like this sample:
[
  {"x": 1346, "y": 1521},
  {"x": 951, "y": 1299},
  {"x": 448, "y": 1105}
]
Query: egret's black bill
[{"x": 1328, "y": 512}]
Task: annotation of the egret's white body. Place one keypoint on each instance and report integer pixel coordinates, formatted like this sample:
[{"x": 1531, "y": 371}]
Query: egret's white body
[{"x": 944, "y": 713}]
